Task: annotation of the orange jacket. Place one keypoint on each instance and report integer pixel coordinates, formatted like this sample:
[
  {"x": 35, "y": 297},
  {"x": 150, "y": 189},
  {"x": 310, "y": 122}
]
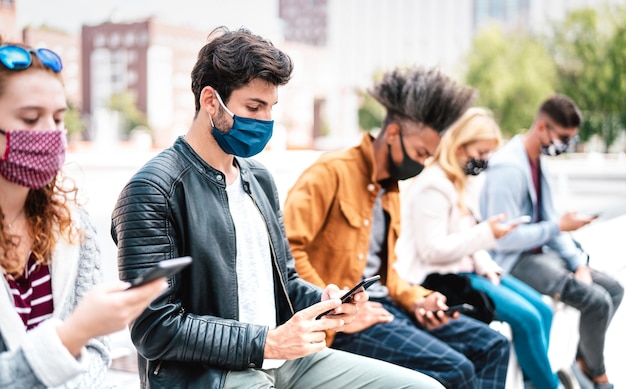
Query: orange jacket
[{"x": 328, "y": 214}]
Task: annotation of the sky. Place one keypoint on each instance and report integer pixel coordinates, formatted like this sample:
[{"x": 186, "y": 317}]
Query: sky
[{"x": 260, "y": 16}]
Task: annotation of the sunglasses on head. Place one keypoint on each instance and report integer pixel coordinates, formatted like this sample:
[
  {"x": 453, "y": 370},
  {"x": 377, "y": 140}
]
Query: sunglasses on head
[{"x": 18, "y": 58}]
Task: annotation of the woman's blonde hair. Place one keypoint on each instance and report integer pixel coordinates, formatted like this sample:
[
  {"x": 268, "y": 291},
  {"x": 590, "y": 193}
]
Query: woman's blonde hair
[{"x": 476, "y": 124}]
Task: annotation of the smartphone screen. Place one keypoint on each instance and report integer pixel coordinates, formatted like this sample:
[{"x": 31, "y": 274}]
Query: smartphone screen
[
  {"x": 164, "y": 268},
  {"x": 361, "y": 286}
]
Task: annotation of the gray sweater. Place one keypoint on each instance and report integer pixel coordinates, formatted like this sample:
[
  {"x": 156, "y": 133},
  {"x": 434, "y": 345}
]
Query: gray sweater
[{"x": 38, "y": 359}]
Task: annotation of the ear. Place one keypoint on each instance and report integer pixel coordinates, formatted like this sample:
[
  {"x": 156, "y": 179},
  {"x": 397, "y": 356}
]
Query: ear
[
  {"x": 391, "y": 132},
  {"x": 541, "y": 125},
  {"x": 208, "y": 101}
]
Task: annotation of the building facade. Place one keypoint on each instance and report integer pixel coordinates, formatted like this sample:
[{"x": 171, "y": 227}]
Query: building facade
[
  {"x": 149, "y": 60},
  {"x": 8, "y": 20},
  {"x": 67, "y": 46}
]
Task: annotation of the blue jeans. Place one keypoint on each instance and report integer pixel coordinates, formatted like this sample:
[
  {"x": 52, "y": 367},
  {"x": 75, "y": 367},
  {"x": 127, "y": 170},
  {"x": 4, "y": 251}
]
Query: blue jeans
[
  {"x": 465, "y": 353},
  {"x": 530, "y": 319},
  {"x": 597, "y": 303}
]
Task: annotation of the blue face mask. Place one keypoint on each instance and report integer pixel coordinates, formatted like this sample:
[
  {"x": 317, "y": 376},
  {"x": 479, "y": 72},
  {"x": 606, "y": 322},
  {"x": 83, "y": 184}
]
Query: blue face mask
[{"x": 247, "y": 136}]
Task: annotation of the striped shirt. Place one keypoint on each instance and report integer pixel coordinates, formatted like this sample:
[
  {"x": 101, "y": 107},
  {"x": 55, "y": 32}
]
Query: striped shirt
[{"x": 32, "y": 294}]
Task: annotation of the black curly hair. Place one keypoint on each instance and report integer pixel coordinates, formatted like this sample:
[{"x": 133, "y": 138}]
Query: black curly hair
[{"x": 424, "y": 96}]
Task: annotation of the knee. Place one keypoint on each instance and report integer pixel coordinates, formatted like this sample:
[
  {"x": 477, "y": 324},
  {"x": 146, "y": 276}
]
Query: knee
[
  {"x": 600, "y": 303},
  {"x": 531, "y": 321},
  {"x": 461, "y": 375},
  {"x": 617, "y": 295},
  {"x": 501, "y": 346}
]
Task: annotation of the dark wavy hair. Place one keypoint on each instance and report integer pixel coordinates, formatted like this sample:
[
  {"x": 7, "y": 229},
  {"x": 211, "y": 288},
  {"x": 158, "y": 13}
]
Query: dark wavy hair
[
  {"x": 232, "y": 59},
  {"x": 47, "y": 211},
  {"x": 424, "y": 96}
]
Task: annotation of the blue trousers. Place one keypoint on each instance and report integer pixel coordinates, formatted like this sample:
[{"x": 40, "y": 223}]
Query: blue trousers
[
  {"x": 464, "y": 354},
  {"x": 530, "y": 319}
]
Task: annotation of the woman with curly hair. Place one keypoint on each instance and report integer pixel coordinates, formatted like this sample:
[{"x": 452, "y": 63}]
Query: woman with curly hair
[{"x": 53, "y": 326}]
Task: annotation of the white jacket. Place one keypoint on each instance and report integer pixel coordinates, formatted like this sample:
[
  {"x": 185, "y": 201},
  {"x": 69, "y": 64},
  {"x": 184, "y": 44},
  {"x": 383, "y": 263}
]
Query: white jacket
[
  {"x": 38, "y": 359},
  {"x": 434, "y": 236}
]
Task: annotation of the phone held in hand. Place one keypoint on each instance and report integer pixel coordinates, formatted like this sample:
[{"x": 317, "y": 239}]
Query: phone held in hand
[
  {"x": 461, "y": 308},
  {"x": 164, "y": 268},
  {"x": 361, "y": 286},
  {"x": 519, "y": 220}
]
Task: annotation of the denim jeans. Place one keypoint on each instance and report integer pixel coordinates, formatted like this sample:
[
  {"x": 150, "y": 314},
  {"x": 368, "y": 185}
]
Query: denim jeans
[
  {"x": 530, "y": 319},
  {"x": 597, "y": 303}
]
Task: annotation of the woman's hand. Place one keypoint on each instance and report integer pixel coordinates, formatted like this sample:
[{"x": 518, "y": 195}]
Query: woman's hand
[
  {"x": 498, "y": 228},
  {"x": 106, "y": 309}
]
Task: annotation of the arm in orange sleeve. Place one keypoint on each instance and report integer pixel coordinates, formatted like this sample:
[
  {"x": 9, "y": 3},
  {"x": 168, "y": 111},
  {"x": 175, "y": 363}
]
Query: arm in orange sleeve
[{"x": 305, "y": 212}]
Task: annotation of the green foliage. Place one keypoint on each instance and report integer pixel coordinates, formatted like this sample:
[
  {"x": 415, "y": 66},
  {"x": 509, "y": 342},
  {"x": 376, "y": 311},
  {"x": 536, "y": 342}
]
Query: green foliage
[
  {"x": 73, "y": 122},
  {"x": 371, "y": 112},
  {"x": 589, "y": 48},
  {"x": 513, "y": 73},
  {"x": 126, "y": 104}
]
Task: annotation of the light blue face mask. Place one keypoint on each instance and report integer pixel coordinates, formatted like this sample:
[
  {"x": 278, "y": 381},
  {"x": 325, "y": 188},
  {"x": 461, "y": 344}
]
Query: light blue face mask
[{"x": 247, "y": 136}]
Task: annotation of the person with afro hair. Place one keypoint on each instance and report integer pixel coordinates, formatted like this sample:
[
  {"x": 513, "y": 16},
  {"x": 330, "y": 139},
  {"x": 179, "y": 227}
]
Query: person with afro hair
[{"x": 342, "y": 218}]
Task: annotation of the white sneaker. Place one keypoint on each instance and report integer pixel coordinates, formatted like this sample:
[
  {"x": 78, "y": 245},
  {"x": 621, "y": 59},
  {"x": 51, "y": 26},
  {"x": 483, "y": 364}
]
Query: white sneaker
[{"x": 581, "y": 378}]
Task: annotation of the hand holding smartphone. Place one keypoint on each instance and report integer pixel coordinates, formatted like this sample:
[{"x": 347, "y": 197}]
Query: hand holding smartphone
[
  {"x": 461, "y": 308},
  {"x": 359, "y": 287},
  {"x": 164, "y": 268}
]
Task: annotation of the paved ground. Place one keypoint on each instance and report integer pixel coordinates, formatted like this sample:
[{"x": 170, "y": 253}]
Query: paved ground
[{"x": 588, "y": 183}]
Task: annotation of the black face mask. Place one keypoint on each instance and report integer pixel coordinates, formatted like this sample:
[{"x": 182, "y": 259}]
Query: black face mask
[
  {"x": 475, "y": 166},
  {"x": 407, "y": 168}
]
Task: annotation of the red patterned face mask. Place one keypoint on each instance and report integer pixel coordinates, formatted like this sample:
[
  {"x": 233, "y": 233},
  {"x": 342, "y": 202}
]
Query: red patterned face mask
[{"x": 32, "y": 158}]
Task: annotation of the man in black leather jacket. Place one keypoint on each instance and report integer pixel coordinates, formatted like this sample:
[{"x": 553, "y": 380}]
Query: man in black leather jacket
[{"x": 239, "y": 316}]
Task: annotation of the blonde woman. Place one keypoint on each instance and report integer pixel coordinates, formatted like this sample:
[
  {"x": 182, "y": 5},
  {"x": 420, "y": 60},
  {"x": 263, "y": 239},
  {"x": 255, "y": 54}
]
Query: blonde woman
[{"x": 442, "y": 232}]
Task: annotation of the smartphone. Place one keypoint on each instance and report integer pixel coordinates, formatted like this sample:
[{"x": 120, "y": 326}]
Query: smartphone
[
  {"x": 164, "y": 268},
  {"x": 361, "y": 286},
  {"x": 519, "y": 220},
  {"x": 461, "y": 308}
]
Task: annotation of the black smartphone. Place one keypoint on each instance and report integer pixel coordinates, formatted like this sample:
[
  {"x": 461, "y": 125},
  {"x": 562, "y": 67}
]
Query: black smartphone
[
  {"x": 461, "y": 308},
  {"x": 361, "y": 286},
  {"x": 164, "y": 268}
]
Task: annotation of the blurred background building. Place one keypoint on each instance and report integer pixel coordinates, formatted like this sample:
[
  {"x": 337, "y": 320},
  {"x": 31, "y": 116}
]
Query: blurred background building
[{"x": 124, "y": 73}]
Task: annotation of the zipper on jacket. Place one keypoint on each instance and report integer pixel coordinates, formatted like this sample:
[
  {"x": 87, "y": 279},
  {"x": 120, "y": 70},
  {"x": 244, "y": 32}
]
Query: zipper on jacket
[
  {"x": 157, "y": 368},
  {"x": 269, "y": 237}
]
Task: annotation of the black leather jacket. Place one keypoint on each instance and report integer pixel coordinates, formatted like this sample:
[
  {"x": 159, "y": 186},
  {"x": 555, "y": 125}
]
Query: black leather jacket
[{"x": 176, "y": 205}]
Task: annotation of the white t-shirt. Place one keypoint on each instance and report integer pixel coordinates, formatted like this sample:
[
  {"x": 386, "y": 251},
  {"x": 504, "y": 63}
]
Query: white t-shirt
[{"x": 255, "y": 281}]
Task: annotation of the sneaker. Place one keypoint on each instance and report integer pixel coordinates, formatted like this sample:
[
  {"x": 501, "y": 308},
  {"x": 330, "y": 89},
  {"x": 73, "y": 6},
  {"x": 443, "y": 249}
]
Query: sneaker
[
  {"x": 567, "y": 378},
  {"x": 581, "y": 377},
  {"x": 603, "y": 386}
]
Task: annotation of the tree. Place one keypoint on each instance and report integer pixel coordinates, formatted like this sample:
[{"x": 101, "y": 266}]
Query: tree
[
  {"x": 73, "y": 123},
  {"x": 126, "y": 104},
  {"x": 513, "y": 73},
  {"x": 371, "y": 112},
  {"x": 589, "y": 48}
]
